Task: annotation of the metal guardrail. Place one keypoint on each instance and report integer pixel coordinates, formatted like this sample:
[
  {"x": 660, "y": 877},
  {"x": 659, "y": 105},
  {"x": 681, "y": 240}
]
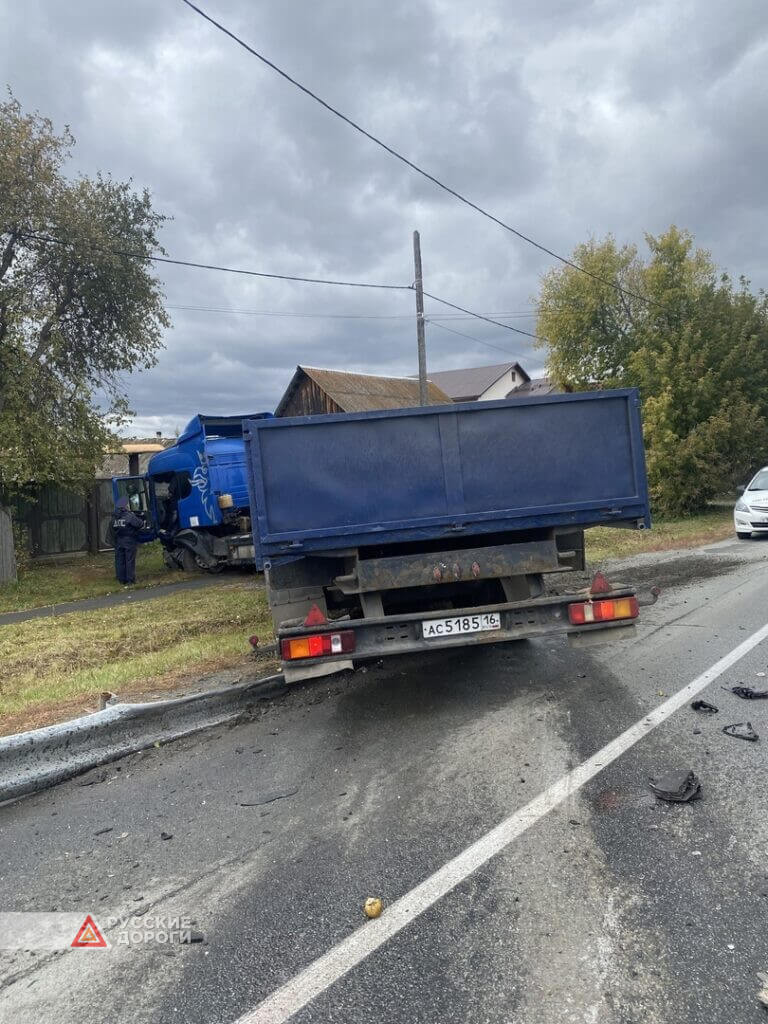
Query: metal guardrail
[{"x": 35, "y": 760}]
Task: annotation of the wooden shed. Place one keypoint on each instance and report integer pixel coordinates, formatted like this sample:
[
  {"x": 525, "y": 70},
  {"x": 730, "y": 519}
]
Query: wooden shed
[{"x": 313, "y": 392}]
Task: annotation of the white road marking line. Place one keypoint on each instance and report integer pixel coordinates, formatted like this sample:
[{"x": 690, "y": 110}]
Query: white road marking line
[{"x": 286, "y": 1001}]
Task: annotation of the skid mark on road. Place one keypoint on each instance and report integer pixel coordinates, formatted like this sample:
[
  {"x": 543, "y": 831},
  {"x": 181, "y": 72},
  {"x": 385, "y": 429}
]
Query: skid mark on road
[{"x": 300, "y": 990}]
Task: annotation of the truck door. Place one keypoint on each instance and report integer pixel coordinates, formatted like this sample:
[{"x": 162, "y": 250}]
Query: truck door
[{"x": 136, "y": 490}]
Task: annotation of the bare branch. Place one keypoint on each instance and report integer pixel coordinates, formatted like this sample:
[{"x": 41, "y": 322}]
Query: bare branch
[{"x": 44, "y": 339}]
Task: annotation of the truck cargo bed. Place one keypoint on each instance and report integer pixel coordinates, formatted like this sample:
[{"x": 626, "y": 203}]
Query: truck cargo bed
[{"x": 325, "y": 483}]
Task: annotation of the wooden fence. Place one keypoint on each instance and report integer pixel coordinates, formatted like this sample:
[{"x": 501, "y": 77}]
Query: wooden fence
[{"x": 59, "y": 522}]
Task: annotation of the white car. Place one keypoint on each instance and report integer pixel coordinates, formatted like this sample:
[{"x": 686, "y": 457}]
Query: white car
[{"x": 750, "y": 514}]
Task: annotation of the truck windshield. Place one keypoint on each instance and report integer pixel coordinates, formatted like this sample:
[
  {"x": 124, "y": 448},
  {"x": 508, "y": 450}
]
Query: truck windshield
[{"x": 760, "y": 483}]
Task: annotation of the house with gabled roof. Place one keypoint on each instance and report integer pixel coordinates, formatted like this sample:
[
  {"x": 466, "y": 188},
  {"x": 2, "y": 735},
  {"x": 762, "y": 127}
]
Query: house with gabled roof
[{"x": 480, "y": 383}]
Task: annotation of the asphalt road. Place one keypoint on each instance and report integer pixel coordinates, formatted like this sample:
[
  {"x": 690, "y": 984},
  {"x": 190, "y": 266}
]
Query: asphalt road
[{"x": 613, "y": 907}]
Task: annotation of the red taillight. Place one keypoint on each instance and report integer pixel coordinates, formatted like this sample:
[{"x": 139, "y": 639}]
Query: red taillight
[
  {"x": 317, "y": 645},
  {"x": 585, "y": 612}
]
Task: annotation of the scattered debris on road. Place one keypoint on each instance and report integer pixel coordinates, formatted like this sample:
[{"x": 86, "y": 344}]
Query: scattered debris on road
[
  {"x": 103, "y": 831},
  {"x": 741, "y": 731},
  {"x": 373, "y": 907},
  {"x": 703, "y": 705},
  {"x": 166, "y": 835},
  {"x": 677, "y": 787},
  {"x": 747, "y": 693},
  {"x": 269, "y": 798}
]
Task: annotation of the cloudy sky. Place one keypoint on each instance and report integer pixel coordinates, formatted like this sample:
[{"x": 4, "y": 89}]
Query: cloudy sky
[{"x": 565, "y": 118}]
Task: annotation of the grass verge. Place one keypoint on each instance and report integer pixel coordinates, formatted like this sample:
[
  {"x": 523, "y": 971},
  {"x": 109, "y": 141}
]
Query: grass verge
[
  {"x": 56, "y": 667},
  {"x": 45, "y": 583},
  {"x": 608, "y": 542}
]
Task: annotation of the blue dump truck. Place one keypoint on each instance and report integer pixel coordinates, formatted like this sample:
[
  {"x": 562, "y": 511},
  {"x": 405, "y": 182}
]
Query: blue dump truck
[
  {"x": 194, "y": 496},
  {"x": 411, "y": 529}
]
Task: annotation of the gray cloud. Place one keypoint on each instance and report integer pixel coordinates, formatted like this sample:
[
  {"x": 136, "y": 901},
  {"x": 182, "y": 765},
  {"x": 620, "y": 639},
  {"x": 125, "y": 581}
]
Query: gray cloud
[{"x": 564, "y": 119}]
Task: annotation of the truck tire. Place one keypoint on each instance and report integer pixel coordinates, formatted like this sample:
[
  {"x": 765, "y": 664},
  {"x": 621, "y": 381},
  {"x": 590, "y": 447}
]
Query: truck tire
[
  {"x": 188, "y": 560},
  {"x": 169, "y": 561}
]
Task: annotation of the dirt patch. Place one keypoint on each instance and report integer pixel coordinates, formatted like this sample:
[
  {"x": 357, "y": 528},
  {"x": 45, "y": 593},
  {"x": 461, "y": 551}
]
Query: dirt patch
[{"x": 676, "y": 572}]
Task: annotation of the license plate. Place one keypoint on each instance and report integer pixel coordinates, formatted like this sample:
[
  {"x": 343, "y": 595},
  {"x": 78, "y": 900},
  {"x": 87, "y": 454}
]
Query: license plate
[{"x": 434, "y": 628}]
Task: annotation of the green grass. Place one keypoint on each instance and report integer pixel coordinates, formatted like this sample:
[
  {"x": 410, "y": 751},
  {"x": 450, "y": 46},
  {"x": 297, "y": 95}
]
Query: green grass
[
  {"x": 63, "y": 663},
  {"x": 46, "y": 583},
  {"x": 606, "y": 542}
]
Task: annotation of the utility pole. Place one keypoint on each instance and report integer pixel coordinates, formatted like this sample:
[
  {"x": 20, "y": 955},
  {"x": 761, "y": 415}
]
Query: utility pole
[{"x": 419, "y": 289}]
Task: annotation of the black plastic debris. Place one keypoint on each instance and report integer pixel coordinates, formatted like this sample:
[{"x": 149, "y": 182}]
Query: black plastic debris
[
  {"x": 703, "y": 705},
  {"x": 269, "y": 798},
  {"x": 747, "y": 693},
  {"x": 741, "y": 731},
  {"x": 677, "y": 787}
]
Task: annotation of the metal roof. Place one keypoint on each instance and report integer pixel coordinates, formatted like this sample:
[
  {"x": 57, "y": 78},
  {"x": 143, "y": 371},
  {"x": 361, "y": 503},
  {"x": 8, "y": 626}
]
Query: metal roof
[
  {"x": 472, "y": 381},
  {"x": 536, "y": 386},
  {"x": 361, "y": 392}
]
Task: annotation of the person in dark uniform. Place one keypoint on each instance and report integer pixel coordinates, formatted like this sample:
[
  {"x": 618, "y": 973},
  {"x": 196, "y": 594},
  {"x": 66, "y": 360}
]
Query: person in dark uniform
[{"x": 126, "y": 528}]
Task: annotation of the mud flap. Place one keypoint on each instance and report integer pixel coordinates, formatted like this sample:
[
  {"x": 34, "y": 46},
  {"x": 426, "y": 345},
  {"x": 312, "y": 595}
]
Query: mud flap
[
  {"x": 296, "y": 673},
  {"x": 598, "y": 637}
]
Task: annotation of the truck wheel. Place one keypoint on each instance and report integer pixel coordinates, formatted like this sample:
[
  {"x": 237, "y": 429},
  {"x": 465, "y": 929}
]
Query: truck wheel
[
  {"x": 743, "y": 536},
  {"x": 188, "y": 561}
]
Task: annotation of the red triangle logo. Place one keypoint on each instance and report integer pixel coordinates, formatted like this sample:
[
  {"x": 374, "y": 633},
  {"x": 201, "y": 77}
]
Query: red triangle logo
[{"x": 89, "y": 936}]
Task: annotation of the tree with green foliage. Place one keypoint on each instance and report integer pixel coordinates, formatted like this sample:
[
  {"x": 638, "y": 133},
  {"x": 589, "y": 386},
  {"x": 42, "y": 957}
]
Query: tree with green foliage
[
  {"x": 75, "y": 312},
  {"x": 695, "y": 344}
]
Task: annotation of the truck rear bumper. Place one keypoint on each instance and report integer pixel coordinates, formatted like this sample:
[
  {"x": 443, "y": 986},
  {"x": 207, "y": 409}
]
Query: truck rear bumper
[{"x": 403, "y": 634}]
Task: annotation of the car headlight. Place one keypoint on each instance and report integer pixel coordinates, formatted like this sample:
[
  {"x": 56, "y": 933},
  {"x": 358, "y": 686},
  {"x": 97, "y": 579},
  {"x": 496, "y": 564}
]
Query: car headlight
[{"x": 742, "y": 506}]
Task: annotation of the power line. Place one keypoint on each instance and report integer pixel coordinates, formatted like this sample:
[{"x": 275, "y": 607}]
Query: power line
[
  {"x": 487, "y": 319},
  {"x": 226, "y": 270},
  {"x": 409, "y": 163},
  {"x": 471, "y": 337},
  {"x": 284, "y": 277},
  {"x": 340, "y": 316}
]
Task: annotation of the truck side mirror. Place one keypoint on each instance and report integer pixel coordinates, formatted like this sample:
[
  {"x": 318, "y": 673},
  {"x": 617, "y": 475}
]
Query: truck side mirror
[{"x": 742, "y": 487}]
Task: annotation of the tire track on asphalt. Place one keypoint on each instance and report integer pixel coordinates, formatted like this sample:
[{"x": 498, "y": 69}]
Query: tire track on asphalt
[{"x": 338, "y": 961}]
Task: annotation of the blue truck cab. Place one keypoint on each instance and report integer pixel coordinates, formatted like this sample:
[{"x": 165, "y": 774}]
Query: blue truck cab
[{"x": 194, "y": 496}]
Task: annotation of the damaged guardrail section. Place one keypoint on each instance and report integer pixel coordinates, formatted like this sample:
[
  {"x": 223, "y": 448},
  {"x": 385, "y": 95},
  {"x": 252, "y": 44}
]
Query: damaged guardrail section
[{"x": 32, "y": 761}]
